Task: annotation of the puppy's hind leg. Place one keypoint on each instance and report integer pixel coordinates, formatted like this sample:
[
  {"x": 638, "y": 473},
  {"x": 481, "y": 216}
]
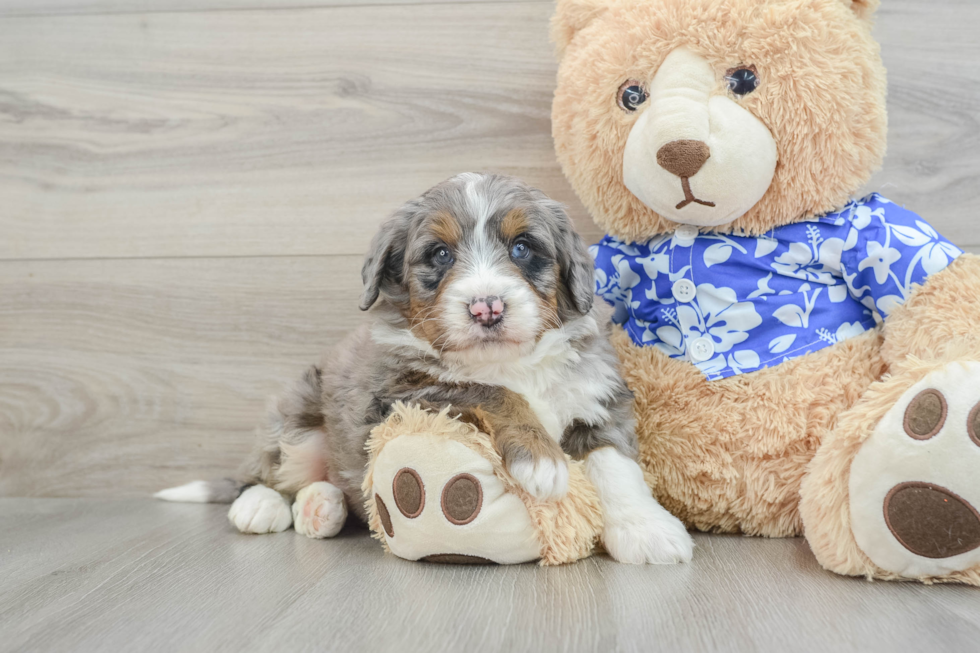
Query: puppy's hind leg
[
  {"x": 290, "y": 455},
  {"x": 260, "y": 509},
  {"x": 320, "y": 510}
]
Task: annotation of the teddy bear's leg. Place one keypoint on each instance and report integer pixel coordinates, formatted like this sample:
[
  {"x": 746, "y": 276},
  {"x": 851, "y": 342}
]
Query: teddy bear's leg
[
  {"x": 892, "y": 492},
  {"x": 435, "y": 493},
  {"x": 636, "y": 529},
  {"x": 319, "y": 510}
]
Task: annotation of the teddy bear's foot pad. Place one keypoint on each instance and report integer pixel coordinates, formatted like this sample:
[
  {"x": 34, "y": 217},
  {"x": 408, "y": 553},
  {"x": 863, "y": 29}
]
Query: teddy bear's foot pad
[
  {"x": 913, "y": 488},
  {"x": 456, "y": 559},
  {"x": 439, "y": 501}
]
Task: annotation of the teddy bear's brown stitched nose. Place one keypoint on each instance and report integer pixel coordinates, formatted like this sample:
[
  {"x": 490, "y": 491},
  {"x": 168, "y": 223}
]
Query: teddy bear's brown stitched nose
[{"x": 683, "y": 158}]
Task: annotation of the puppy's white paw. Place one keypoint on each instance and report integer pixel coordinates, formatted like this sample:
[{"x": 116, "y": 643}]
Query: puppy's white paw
[
  {"x": 260, "y": 509},
  {"x": 319, "y": 510},
  {"x": 647, "y": 535},
  {"x": 544, "y": 478}
]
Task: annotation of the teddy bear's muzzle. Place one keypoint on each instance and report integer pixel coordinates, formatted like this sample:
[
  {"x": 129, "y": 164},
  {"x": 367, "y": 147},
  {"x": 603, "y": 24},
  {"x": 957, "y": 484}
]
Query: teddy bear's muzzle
[{"x": 695, "y": 155}]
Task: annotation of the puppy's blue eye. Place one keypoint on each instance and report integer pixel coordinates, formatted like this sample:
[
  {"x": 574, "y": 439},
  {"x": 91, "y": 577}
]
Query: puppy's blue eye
[
  {"x": 442, "y": 256},
  {"x": 520, "y": 251}
]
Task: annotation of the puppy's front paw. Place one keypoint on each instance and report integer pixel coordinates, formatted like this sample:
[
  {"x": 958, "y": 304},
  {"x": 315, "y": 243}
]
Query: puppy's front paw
[
  {"x": 647, "y": 535},
  {"x": 260, "y": 509},
  {"x": 319, "y": 510},
  {"x": 544, "y": 478}
]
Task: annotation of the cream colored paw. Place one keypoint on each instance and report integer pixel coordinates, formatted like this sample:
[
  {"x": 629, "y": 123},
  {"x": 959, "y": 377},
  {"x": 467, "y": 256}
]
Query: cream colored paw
[
  {"x": 319, "y": 510},
  {"x": 440, "y": 501},
  {"x": 913, "y": 489},
  {"x": 260, "y": 509},
  {"x": 544, "y": 478},
  {"x": 647, "y": 535}
]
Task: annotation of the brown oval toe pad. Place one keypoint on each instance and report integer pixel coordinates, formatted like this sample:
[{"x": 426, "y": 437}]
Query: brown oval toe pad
[
  {"x": 456, "y": 559},
  {"x": 931, "y": 521},
  {"x": 925, "y": 415},
  {"x": 409, "y": 492},
  {"x": 385, "y": 517},
  {"x": 462, "y": 499}
]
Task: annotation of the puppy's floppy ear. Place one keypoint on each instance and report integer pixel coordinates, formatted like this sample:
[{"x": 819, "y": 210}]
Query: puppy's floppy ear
[
  {"x": 384, "y": 265},
  {"x": 575, "y": 264}
]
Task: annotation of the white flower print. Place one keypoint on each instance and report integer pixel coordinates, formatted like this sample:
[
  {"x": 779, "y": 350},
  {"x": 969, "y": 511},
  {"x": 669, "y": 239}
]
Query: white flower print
[
  {"x": 794, "y": 315},
  {"x": 719, "y": 315},
  {"x": 815, "y": 260},
  {"x": 671, "y": 337},
  {"x": 937, "y": 254},
  {"x": 880, "y": 259},
  {"x": 762, "y": 288},
  {"x": 762, "y": 300},
  {"x": 720, "y": 252},
  {"x": 765, "y": 246},
  {"x": 781, "y": 343},
  {"x": 737, "y": 362}
]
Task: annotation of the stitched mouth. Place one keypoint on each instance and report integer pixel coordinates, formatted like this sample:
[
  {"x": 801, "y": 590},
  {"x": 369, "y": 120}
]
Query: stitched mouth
[{"x": 689, "y": 197}]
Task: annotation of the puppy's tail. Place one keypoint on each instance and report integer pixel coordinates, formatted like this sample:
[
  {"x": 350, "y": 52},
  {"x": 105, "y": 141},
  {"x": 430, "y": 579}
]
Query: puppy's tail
[{"x": 223, "y": 490}]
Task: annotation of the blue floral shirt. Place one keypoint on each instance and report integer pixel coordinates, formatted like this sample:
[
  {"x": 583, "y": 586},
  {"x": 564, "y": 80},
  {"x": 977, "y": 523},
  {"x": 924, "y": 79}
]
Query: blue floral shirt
[{"x": 736, "y": 304}]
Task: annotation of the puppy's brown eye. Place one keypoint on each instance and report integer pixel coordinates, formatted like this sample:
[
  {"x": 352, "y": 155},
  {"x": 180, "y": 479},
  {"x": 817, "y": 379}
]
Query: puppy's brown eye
[
  {"x": 631, "y": 95},
  {"x": 442, "y": 256},
  {"x": 742, "y": 80}
]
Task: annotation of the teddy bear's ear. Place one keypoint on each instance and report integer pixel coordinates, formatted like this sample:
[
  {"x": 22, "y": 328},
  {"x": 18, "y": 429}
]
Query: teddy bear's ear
[
  {"x": 572, "y": 16},
  {"x": 864, "y": 9}
]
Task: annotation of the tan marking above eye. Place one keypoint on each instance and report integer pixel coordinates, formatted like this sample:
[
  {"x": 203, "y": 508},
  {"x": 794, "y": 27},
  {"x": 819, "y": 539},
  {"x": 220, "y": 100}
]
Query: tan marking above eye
[
  {"x": 446, "y": 228},
  {"x": 462, "y": 499},
  {"x": 925, "y": 414},
  {"x": 973, "y": 424},
  {"x": 409, "y": 492},
  {"x": 514, "y": 224}
]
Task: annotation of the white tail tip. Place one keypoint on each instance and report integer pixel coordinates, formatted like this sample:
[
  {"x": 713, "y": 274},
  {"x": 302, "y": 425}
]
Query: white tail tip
[{"x": 193, "y": 492}]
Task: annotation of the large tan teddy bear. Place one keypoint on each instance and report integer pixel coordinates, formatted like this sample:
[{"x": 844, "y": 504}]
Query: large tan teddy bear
[{"x": 802, "y": 362}]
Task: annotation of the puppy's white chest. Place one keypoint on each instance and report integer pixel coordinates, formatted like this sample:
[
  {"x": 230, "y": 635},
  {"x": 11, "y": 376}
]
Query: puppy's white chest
[
  {"x": 552, "y": 403},
  {"x": 562, "y": 393}
]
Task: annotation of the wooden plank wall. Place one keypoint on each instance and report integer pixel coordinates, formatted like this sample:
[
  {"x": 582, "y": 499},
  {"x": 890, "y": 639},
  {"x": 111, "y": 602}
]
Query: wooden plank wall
[{"x": 187, "y": 187}]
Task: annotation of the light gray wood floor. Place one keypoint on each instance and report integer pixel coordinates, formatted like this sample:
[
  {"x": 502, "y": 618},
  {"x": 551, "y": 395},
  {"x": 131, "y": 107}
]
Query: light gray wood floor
[
  {"x": 135, "y": 575},
  {"x": 186, "y": 190}
]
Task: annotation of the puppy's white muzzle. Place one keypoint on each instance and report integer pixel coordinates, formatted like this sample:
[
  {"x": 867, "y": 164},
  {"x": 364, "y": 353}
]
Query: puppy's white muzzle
[{"x": 741, "y": 153}]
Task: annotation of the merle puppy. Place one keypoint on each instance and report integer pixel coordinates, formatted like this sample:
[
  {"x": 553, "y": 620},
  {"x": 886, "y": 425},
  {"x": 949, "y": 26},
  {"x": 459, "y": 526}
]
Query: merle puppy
[{"x": 481, "y": 297}]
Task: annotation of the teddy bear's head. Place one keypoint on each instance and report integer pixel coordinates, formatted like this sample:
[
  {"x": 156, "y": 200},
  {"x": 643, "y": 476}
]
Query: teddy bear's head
[{"x": 734, "y": 115}]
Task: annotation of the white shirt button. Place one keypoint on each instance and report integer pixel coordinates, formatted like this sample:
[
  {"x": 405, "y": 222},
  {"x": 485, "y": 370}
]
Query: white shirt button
[
  {"x": 683, "y": 290},
  {"x": 686, "y": 233},
  {"x": 701, "y": 349}
]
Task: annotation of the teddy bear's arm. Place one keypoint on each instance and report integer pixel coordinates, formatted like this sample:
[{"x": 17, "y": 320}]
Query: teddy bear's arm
[
  {"x": 889, "y": 251},
  {"x": 941, "y": 319}
]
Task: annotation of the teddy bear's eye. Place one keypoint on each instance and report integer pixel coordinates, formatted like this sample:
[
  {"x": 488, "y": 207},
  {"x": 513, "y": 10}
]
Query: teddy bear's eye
[
  {"x": 742, "y": 80},
  {"x": 631, "y": 95}
]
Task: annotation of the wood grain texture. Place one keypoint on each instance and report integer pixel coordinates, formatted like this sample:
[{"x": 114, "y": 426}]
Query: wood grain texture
[
  {"x": 143, "y": 576},
  {"x": 22, "y": 8},
  {"x": 125, "y": 376},
  {"x": 185, "y": 197},
  {"x": 261, "y": 133},
  {"x": 297, "y": 131}
]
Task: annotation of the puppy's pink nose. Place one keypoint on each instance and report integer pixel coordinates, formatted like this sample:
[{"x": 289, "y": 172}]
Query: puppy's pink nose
[{"x": 487, "y": 310}]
